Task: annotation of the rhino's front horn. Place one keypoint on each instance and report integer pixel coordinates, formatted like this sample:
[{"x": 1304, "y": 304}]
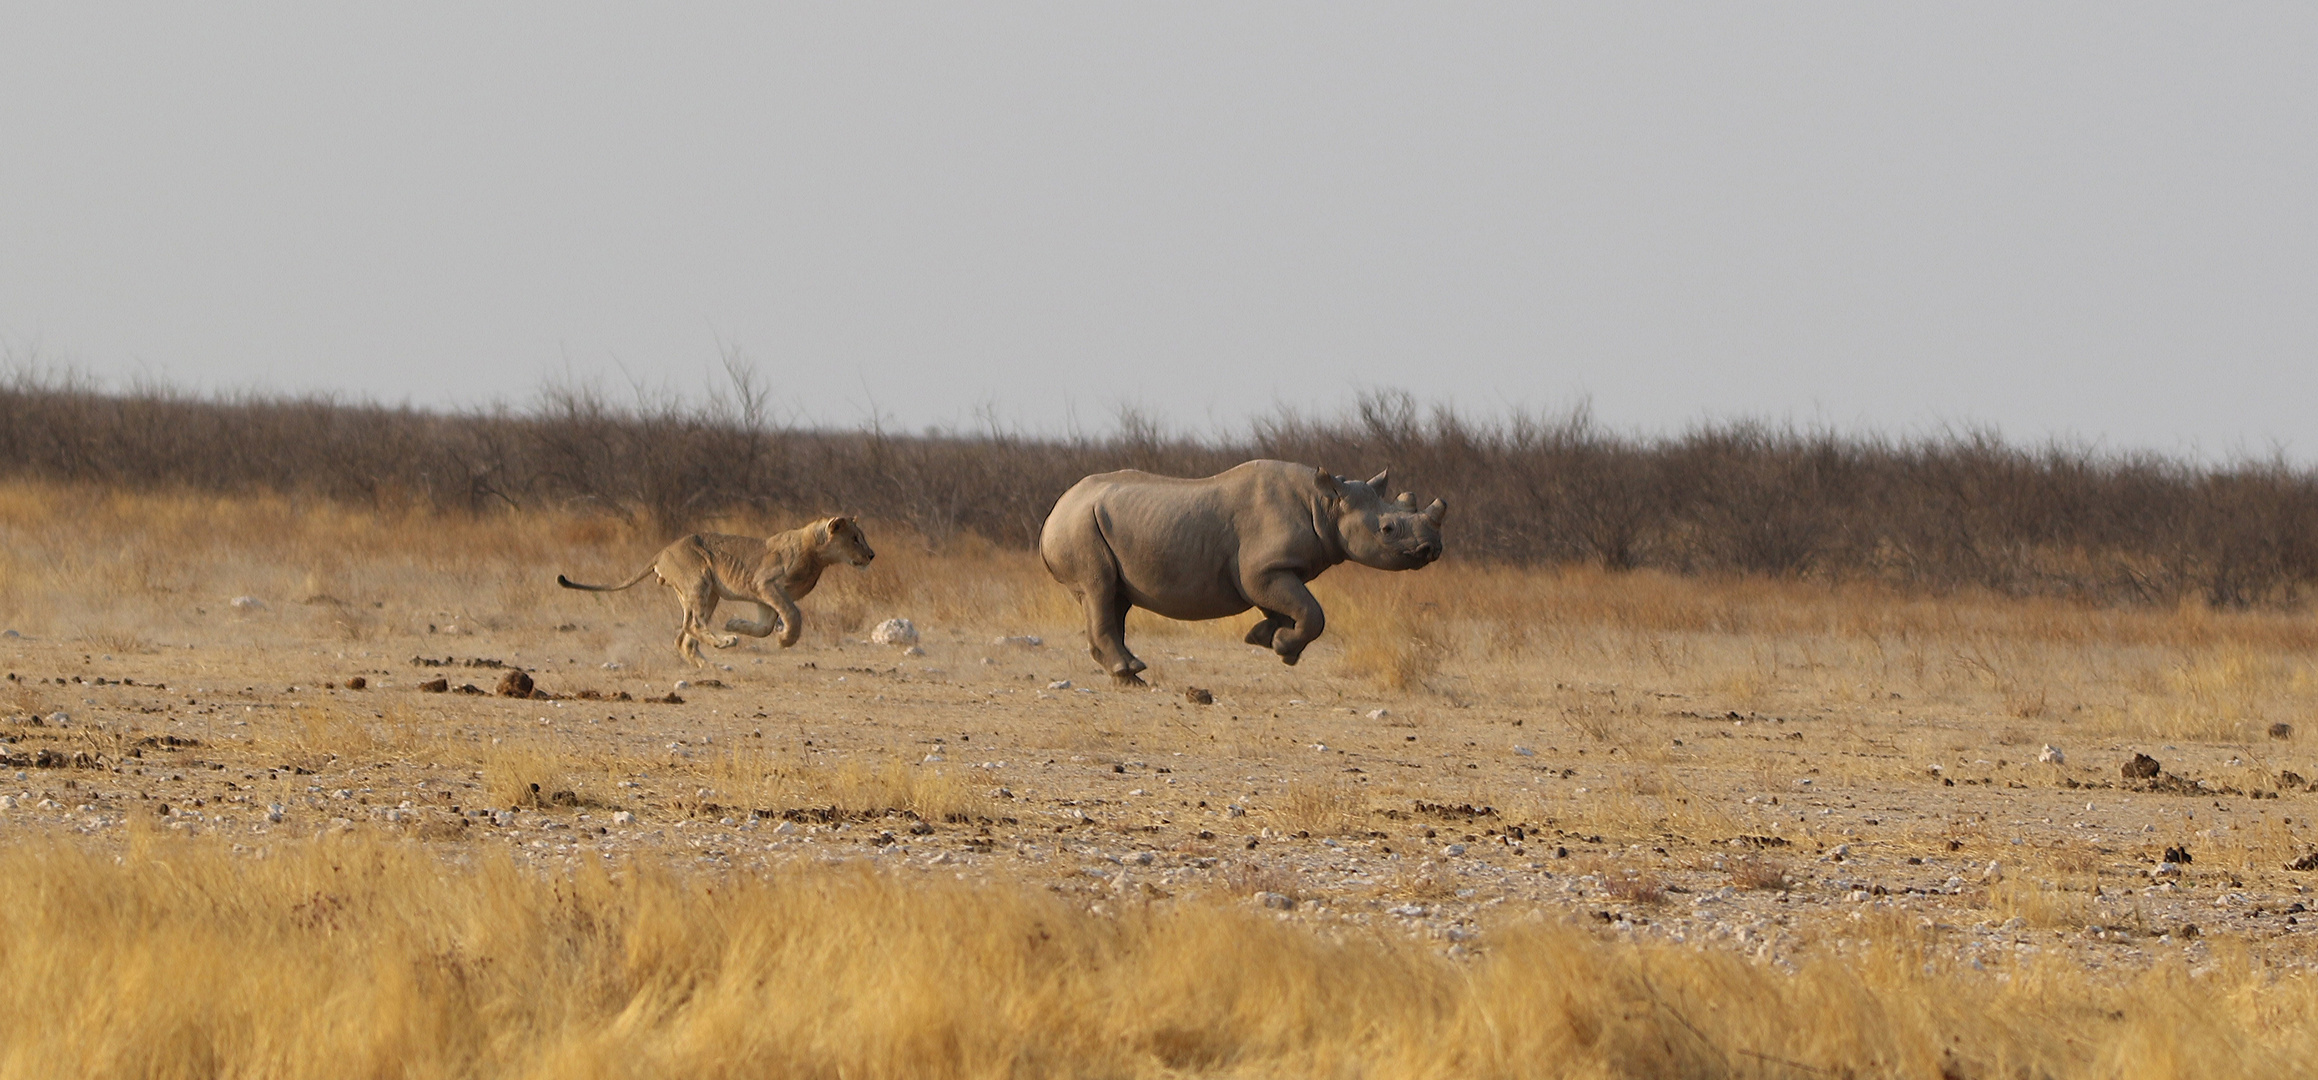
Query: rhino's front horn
[
  {"x": 1381, "y": 480},
  {"x": 1436, "y": 512}
]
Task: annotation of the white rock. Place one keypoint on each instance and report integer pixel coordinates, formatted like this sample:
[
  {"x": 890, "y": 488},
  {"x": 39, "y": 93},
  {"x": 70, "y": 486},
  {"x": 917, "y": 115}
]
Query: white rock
[
  {"x": 1320, "y": 747},
  {"x": 682, "y": 684},
  {"x": 7, "y": 802},
  {"x": 1235, "y": 810},
  {"x": 1524, "y": 751},
  {"x": 1019, "y": 641},
  {"x": 247, "y": 603},
  {"x": 1841, "y": 851},
  {"x": 504, "y": 818},
  {"x": 913, "y": 651},
  {"x": 60, "y": 718},
  {"x": 274, "y": 813},
  {"x": 1138, "y": 791},
  {"x": 1059, "y": 684},
  {"x": 894, "y": 632},
  {"x": 2051, "y": 755},
  {"x": 1379, "y": 714},
  {"x": 935, "y": 759},
  {"x": 1994, "y": 872},
  {"x": 628, "y": 817},
  {"x": 613, "y": 665},
  {"x": 1453, "y": 849},
  {"x": 1277, "y": 901},
  {"x": 786, "y": 828}
]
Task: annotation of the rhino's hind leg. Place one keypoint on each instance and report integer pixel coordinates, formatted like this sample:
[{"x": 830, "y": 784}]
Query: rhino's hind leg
[
  {"x": 1291, "y": 612},
  {"x": 1106, "y": 608},
  {"x": 1260, "y": 635}
]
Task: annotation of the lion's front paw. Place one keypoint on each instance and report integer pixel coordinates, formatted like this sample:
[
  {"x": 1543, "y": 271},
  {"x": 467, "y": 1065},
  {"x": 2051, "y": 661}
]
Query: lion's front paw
[{"x": 725, "y": 642}]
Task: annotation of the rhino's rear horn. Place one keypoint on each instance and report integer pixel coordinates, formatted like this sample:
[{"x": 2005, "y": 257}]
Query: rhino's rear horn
[
  {"x": 1407, "y": 500},
  {"x": 1436, "y": 512},
  {"x": 1381, "y": 480}
]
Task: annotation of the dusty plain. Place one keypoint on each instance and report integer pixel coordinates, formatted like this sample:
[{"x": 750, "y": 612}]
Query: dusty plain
[{"x": 1800, "y": 778}]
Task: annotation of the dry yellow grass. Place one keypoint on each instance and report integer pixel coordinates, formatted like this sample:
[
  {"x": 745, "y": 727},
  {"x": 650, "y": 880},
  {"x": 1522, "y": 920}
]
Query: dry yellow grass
[
  {"x": 184, "y": 959},
  {"x": 1661, "y": 717}
]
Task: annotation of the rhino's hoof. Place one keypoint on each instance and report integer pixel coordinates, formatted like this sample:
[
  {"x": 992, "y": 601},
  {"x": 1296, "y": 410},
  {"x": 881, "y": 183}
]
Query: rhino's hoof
[{"x": 1128, "y": 679}]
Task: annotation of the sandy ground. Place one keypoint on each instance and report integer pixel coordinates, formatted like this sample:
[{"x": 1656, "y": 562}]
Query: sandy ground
[{"x": 1783, "y": 825}]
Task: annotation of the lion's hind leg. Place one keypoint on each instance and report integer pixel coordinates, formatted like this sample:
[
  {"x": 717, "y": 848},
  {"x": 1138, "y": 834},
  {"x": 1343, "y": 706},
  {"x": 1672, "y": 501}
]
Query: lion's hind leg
[{"x": 699, "y": 603}]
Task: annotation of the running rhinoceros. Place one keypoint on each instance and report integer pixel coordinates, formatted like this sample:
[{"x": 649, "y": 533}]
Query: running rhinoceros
[{"x": 1250, "y": 536}]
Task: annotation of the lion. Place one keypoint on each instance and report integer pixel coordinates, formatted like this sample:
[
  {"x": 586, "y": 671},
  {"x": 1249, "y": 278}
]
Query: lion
[{"x": 773, "y": 573}]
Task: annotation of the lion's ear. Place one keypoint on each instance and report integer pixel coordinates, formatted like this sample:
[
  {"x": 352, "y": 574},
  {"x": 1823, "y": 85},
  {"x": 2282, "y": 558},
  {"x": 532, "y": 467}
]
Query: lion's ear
[{"x": 839, "y": 525}]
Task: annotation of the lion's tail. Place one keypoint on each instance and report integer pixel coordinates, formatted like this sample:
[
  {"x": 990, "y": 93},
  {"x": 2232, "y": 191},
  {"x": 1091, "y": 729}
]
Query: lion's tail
[{"x": 570, "y": 584}]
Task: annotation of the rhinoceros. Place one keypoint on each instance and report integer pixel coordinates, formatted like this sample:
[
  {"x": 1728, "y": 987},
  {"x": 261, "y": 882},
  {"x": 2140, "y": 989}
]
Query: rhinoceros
[{"x": 1248, "y": 537}]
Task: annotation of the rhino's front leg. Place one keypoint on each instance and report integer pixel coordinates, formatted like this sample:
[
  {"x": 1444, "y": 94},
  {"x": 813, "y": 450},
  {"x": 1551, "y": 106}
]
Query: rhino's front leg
[
  {"x": 1290, "y": 611},
  {"x": 1261, "y": 634}
]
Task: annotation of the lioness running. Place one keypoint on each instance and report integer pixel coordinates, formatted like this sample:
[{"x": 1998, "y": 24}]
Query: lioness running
[{"x": 773, "y": 573}]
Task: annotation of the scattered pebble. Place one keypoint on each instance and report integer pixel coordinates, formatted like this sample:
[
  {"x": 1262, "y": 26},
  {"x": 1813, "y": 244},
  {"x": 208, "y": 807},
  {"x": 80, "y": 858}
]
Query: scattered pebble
[
  {"x": 1379, "y": 714},
  {"x": 1059, "y": 684},
  {"x": 247, "y": 603},
  {"x": 1020, "y": 641},
  {"x": 894, "y": 632},
  {"x": 628, "y": 817},
  {"x": 1276, "y": 901},
  {"x": 1524, "y": 751},
  {"x": 2051, "y": 755}
]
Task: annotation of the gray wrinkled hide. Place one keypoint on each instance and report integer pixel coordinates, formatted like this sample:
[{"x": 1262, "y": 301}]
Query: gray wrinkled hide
[{"x": 1248, "y": 537}]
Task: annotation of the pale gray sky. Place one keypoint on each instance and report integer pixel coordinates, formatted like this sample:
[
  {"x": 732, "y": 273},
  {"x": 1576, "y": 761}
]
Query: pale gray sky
[{"x": 2098, "y": 220}]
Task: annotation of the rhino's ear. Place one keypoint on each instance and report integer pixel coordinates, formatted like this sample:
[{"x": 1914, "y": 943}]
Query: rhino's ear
[
  {"x": 1381, "y": 480},
  {"x": 1407, "y": 500},
  {"x": 1436, "y": 512},
  {"x": 1330, "y": 484}
]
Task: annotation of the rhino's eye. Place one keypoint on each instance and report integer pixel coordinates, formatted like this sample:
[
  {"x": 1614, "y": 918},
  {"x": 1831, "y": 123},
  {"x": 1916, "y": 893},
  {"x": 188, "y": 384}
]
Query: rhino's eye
[{"x": 1388, "y": 529}]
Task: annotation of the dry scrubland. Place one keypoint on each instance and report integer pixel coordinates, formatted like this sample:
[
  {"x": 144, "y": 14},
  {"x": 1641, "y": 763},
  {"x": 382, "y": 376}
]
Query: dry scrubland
[{"x": 1500, "y": 822}]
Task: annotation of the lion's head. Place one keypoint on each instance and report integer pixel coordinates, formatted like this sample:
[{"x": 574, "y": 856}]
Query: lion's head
[{"x": 842, "y": 542}]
